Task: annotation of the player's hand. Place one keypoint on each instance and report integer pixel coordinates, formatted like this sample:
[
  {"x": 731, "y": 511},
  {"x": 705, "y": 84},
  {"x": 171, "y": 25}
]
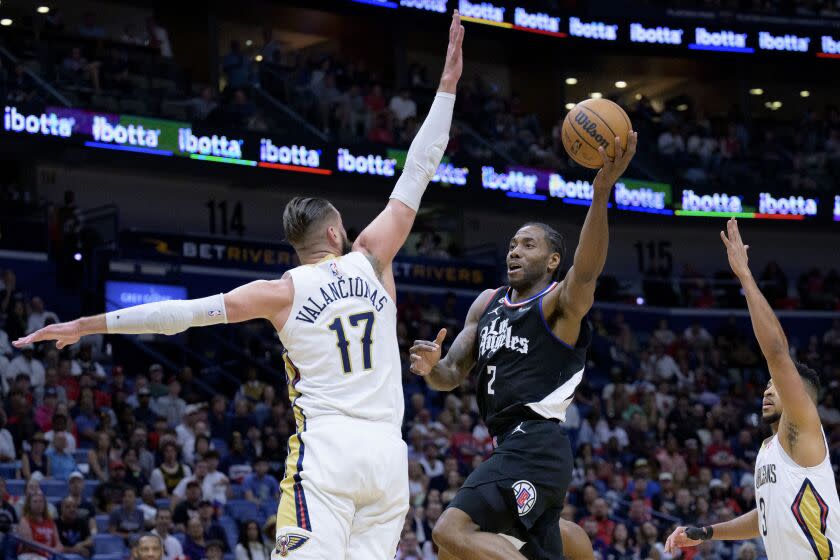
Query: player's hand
[
  {"x": 614, "y": 168},
  {"x": 425, "y": 355},
  {"x": 454, "y": 64},
  {"x": 64, "y": 334},
  {"x": 735, "y": 249},
  {"x": 679, "y": 539}
]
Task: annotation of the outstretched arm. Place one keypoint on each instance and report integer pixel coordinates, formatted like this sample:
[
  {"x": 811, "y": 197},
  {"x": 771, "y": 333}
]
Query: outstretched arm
[
  {"x": 741, "y": 528},
  {"x": 386, "y": 234},
  {"x": 448, "y": 373},
  {"x": 798, "y": 405},
  {"x": 263, "y": 299},
  {"x": 577, "y": 292}
]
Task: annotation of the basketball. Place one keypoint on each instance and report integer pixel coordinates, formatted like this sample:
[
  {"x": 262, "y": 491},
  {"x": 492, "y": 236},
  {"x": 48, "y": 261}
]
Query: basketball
[{"x": 592, "y": 124}]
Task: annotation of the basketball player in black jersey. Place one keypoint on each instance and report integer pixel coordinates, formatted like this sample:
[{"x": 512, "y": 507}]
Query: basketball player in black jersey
[{"x": 528, "y": 343}]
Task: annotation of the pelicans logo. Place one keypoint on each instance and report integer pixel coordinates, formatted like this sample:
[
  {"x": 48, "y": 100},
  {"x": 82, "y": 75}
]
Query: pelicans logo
[{"x": 289, "y": 542}]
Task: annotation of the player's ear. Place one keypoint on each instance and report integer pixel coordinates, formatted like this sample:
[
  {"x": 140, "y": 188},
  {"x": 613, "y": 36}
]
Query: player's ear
[{"x": 554, "y": 262}]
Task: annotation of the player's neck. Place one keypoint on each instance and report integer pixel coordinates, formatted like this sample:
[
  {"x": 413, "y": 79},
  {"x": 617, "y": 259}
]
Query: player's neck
[
  {"x": 775, "y": 428},
  {"x": 526, "y": 293},
  {"x": 316, "y": 255}
]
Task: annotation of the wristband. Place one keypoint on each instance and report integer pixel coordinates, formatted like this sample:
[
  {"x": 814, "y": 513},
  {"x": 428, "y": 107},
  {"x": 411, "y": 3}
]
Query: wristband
[{"x": 699, "y": 533}]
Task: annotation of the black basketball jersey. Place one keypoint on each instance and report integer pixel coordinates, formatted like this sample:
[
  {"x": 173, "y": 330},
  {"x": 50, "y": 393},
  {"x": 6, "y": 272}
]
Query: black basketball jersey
[{"x": 525, "y": 371}]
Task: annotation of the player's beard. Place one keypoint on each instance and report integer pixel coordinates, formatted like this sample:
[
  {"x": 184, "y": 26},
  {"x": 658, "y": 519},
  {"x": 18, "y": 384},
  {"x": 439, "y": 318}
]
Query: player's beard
[
  {"x": 771, "y": 418},
  {"x": 346, "y": 246}
]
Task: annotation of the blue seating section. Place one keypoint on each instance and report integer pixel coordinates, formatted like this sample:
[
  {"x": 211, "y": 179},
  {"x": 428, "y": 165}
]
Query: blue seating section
[
  {"x": 102, "y": 522},
  {"x": 242, "y": 510},
  {"x": 108, "y": 544}
]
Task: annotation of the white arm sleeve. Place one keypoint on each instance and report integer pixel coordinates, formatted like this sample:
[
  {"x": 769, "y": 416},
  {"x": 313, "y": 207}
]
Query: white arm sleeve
[
  {"x": 168, "y": 317},
  {"x": 425, "y": 152}
]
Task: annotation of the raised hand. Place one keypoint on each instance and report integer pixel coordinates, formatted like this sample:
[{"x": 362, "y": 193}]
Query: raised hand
[
  {"x": 425, "y": 354},
  {"x": 454, "y": 65},
  {"x": 614, "y": 168},
  {"x": 64, "y": 334},
  {"x": 735, "y": 248},
  {"x": 679, "y": 539}
]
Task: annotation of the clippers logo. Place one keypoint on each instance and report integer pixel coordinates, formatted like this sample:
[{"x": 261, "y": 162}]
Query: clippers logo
[
  {"x": 289, "y": 543},
  {"x": 214, "y": 313},
  {"x": 525, "y": 495}
]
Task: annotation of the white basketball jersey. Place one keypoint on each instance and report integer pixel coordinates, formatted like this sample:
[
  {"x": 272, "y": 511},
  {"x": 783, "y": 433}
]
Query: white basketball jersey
[
  {"x": 798, "y": 508},
  {"x": 342, "y": 355}
]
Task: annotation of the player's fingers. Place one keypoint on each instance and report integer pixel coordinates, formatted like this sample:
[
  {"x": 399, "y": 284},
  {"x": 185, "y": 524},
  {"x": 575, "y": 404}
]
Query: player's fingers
[
  {"x": 724, "y": 239},
  {"x": 441, "y": 336},
  {"x": 423, "y": 347},
  {"x": 604, "y": 159},
  {"x": 632, "y": 141},
  {"x": 619, "y": 151}
]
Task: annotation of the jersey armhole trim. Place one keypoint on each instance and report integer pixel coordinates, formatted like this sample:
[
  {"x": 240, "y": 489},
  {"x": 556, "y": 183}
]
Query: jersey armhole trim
[
  {"x": 551, "y": 331},
  {"x": 490, "y": 301}
]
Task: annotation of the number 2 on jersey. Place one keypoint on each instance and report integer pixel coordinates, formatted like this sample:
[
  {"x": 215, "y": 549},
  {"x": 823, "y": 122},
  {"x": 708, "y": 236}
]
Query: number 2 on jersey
[
  {"x": 343, "y": 344},
  {"x": 491, "y": 371}
]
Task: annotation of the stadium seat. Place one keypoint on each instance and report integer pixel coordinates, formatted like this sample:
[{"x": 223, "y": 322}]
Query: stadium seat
[
  {"x": 114, "y": 556},
  {"x": 182, "y": 537},
  {"x": 108, "y": 544},
  {"x": 68, "y": 556},
  {"x": 102, "y": 522},
  {"x": 9, "y": 470},
  {"x": 81, "y": 455},
  {"x": 228, "y": 556},
  {"x": 237, "y": 491},
  {"x": 242, "y": 509},
  {"x": 90, "y": 488},
  {"x": 163, "y": 503},
  {"x": 231, "y": 530},
  {"x": 219, "y": 445},
  {"x": 15, "y": 487},
  {"x": 54, "y": 488}
]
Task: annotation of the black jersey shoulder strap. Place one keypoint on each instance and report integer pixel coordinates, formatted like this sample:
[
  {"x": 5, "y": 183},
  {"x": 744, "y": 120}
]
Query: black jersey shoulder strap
[{"x": 493, "y": 298}]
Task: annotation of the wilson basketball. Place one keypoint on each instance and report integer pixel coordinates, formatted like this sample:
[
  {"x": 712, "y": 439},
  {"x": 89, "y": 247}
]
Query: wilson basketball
[{"x": 592, "y": 124}]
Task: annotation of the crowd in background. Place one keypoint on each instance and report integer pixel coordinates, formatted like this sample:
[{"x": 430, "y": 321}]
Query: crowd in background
[
  {"x": 665, "y": 428},
  {"x": 348, "y": 101}
]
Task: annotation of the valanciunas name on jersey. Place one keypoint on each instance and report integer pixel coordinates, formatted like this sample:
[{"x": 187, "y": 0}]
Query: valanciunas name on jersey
[{"x": 343, "y": 288}]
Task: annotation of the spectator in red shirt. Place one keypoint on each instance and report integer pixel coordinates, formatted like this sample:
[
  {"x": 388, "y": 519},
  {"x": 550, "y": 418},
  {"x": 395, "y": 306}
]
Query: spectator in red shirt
[
  {"x": 463, "y": 443},
  {"x": 381, "y": 130},
  {"x": 600, "y": 515},
  {"x": 44, "y": 413},
  {"x": 719, "y": 453},
  {"x": 375, "y": 101},
  {"x": 66, "y": 380}
]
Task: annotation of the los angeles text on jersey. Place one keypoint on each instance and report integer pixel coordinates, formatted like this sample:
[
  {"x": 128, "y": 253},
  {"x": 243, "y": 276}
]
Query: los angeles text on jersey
[
  {"x": 493, "y": 338},
  {"x": 343, "y": 288},
  {"x": 765, "y": 474}
]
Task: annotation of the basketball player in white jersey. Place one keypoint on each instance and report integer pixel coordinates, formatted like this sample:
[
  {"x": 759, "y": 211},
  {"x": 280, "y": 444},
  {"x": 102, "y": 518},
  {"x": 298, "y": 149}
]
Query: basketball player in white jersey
[
  {"x": 798, "y": 512},
  {"x": 345, "y": 491}
]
